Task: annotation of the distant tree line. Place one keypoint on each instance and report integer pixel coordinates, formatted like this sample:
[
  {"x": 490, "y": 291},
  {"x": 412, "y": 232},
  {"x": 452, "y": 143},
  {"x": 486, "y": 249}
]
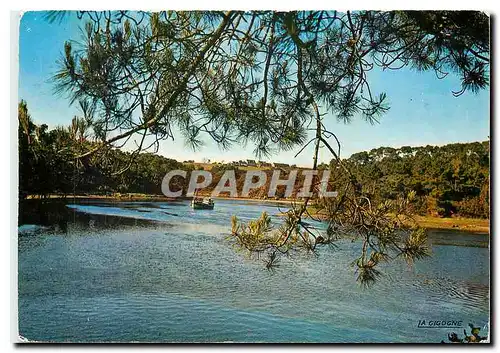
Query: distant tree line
[
  {"x": 47, "y": 163},
  {"x": 448, "y": 180}
]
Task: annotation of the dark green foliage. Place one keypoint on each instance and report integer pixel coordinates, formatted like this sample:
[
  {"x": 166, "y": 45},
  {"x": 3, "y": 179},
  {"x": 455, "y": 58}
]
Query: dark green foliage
[
  {"x": 448, "y": 180},
  {"x": 47, "y": 163}
]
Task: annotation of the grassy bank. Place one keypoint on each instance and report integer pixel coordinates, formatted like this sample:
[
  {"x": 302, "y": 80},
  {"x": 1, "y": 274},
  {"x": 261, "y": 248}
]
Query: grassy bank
[
  {"x": 464, "y": 224},
  {"x": 474, "y": 225}
]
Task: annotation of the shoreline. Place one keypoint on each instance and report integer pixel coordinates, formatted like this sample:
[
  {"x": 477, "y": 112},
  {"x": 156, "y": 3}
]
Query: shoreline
[
  {"x": 154, "y": 198},
  {"x": 281, "y": 201},
  {"x": 471, "y": 225}
]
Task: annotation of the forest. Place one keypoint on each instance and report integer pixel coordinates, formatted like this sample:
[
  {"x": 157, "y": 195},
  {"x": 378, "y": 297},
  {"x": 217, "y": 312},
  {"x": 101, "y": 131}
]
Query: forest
[
  {"x": 450, "y": 180},
  {"x": 47, "y": 164}
]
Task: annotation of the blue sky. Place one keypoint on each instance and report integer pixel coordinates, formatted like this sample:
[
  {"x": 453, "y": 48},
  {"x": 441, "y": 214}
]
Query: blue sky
[{"x": 423, "y": 109}]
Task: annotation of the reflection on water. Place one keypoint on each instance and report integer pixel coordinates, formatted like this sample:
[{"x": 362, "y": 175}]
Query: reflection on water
[{"x": 163, "y": 272}]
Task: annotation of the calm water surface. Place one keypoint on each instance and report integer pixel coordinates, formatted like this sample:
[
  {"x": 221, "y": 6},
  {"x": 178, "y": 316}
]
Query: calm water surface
[{"x": 162, "y": 272}]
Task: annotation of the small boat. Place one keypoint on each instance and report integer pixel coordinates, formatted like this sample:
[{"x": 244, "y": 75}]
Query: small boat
[
  {"x": 202, "y": 204},
  {"x": 198, "y": 203}
]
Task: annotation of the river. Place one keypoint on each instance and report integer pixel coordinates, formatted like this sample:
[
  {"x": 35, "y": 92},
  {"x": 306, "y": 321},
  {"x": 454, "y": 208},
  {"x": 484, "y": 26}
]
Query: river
[{"x": 162, "y": 272}]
